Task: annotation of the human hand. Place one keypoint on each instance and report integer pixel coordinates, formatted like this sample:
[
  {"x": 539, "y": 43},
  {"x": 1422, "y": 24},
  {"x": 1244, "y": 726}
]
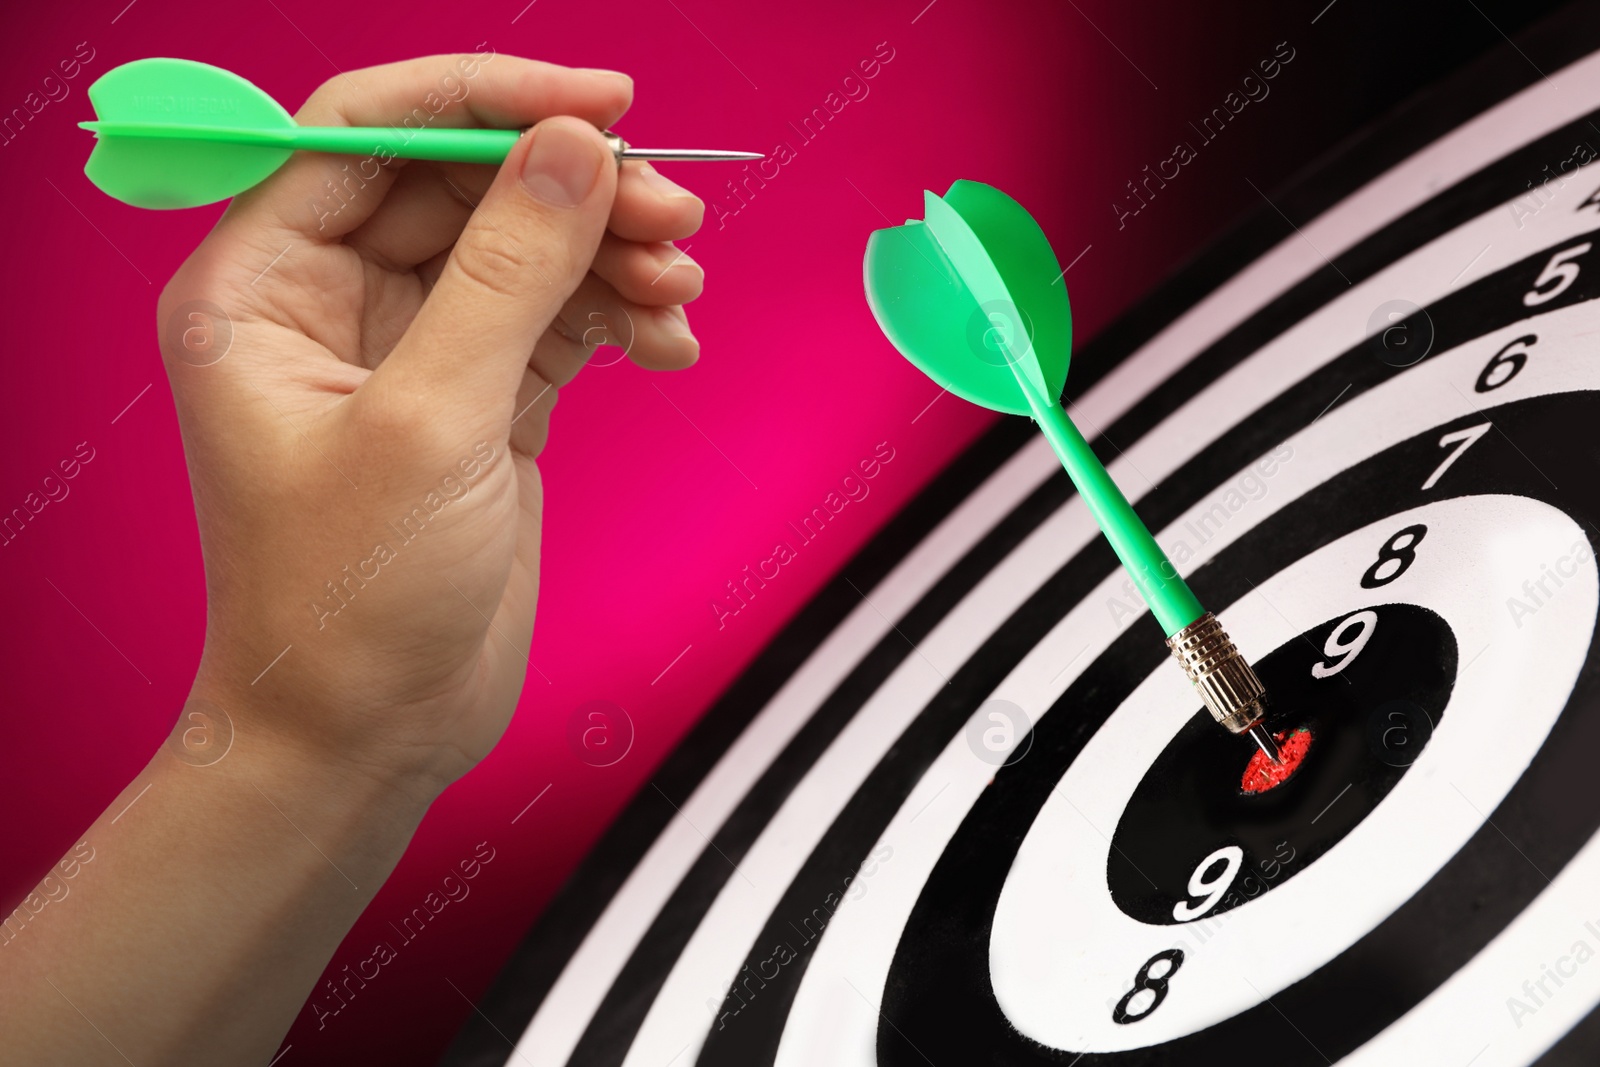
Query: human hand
[
  {"x": 363, "y": 366},
  {"x": 362, "y": 452}
]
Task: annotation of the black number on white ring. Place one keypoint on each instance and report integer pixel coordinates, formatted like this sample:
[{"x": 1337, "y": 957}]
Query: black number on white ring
[
  {"x": 1512, "y": 362},
  {"x": 1157, "y": 984},
  {"x": 1401, "y": 550}
]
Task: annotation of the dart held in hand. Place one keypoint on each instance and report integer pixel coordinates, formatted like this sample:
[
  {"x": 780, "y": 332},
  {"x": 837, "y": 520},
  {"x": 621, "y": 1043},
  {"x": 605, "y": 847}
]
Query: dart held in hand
[
  {"x": 973, "y": 296},
  {"x": 174, "y": 133}
]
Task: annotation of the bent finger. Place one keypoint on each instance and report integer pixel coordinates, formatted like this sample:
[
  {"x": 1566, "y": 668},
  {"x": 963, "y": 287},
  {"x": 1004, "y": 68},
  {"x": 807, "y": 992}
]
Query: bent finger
[{"x": 323, "y": 196}]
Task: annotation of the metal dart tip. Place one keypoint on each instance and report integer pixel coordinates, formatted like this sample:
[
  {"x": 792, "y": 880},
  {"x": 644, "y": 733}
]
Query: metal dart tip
[
  {"x": 1264, "y": 741},
  {"x": 623, "y": 150},
  {"x": 687, "y": 155}
]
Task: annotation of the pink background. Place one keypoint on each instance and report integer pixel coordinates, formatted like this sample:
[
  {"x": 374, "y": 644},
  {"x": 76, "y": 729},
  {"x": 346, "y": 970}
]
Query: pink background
[{"x": 646, "y": 521}]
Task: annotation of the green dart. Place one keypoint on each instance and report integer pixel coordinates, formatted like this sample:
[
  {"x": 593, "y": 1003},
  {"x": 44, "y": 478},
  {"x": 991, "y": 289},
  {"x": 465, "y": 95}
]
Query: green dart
[
  {"x": 973, "y": 296},
  {"x": 175, "y": 133}
]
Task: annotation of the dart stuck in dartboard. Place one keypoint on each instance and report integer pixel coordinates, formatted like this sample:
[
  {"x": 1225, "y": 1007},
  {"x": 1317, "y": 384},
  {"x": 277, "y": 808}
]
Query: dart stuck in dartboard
[{"x": 980, "y": 258}]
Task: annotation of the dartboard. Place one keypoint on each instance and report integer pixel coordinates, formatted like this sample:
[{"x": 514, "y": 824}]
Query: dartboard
[{"x": 965, "y": 811}]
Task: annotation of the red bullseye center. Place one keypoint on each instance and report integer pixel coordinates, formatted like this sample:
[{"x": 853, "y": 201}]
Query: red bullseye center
[{"x": 1261, "y": 774}]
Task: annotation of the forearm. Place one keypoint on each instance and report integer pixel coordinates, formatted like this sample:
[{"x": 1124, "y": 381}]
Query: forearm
[{"x": 215, "y": 896}]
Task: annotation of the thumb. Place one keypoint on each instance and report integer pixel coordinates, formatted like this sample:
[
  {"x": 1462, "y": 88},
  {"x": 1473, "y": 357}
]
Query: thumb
[{"x": 524, "y": 251}]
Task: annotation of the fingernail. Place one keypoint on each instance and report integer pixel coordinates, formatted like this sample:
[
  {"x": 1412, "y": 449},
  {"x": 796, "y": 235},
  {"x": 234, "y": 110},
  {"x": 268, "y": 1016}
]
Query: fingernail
[
  {"x": 661, "y": 183},
  {"x": 561, "y": 166},
  {"x": 671, "y": 257},
  {"x": 676, "y": 323},
  {"x": 604, "y": 73}
]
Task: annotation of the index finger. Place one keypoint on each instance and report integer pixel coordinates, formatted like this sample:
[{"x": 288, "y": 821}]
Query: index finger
[{"x": 323, "y": 196}]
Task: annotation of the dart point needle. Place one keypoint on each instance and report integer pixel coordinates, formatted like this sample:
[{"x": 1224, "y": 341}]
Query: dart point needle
[
  {"x": 686, "y": 155},
  {"x": 623, "y": 150},
  {"x": 1259, "y": 735}
]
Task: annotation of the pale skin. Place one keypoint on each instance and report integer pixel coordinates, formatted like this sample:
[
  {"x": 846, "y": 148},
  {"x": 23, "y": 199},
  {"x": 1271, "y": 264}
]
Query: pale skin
[{"x": 396, "y": 344}]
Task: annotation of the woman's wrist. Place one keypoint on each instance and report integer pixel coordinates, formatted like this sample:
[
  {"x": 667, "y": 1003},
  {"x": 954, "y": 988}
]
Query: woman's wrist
[
  {"x": 227, "y": 872},
  {"x": 242, "y": 735}
]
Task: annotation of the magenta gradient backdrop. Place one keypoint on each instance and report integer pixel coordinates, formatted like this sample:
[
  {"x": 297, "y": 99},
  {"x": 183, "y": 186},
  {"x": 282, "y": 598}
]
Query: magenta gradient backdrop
[{"x": 646, "y": 518}]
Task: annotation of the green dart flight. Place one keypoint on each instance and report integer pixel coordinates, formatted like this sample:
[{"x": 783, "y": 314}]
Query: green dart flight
[{"x": 973, "y": 296}]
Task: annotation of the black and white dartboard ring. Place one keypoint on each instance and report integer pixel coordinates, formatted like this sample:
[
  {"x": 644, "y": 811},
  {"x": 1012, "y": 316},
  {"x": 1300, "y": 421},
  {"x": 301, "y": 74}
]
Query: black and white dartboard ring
[{"x": 977, "y": 818}]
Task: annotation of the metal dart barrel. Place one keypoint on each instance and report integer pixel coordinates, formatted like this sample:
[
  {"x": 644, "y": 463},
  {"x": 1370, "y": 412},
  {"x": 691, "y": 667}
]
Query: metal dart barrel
[{"x": 1224, "y": 679}]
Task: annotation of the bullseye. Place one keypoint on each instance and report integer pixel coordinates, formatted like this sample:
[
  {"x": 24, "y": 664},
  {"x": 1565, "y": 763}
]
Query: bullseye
[
  {"x": 1261, "y": 774},
  {"x": 1191, "y": 802}
]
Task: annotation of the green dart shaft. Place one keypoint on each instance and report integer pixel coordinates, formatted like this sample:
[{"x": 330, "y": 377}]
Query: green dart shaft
[
  {"x": 459, "y": 145},
  {"x": 449, "y": 145},
  {"x": 1232, "y": 692},
  {"x": 1153, "y": 574}
]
